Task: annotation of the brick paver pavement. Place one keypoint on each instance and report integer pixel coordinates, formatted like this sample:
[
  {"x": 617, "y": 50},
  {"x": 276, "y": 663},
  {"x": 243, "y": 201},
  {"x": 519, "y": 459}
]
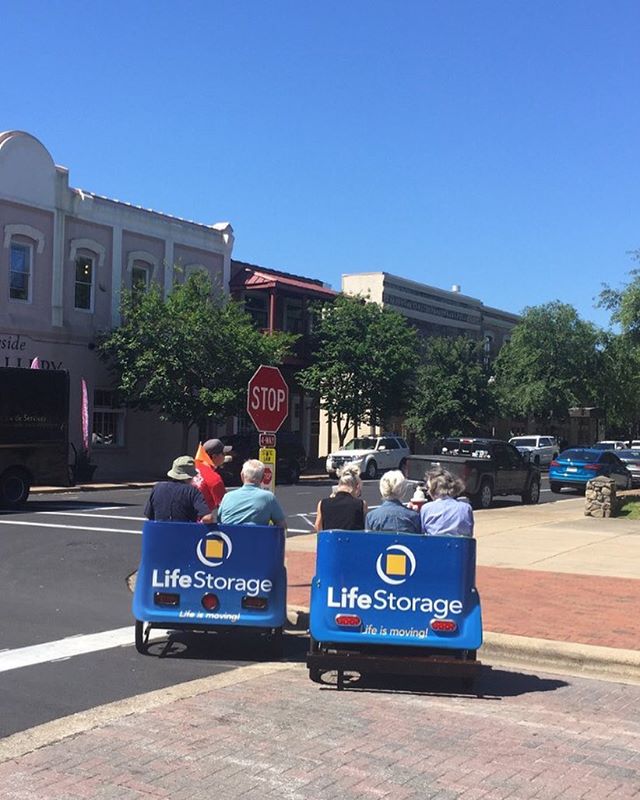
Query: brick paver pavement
[
  {"x": 585, "y": 609},
  {"x": 280, "y": 736}
]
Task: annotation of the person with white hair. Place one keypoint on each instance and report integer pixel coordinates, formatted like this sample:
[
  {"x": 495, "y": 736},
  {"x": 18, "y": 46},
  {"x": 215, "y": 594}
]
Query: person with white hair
[
  {"x": 251, "y": 504},
  {"x": 345, "y": 510},
  {"x": 446, "y": 515},
  {"x": 392, "y": 516}
]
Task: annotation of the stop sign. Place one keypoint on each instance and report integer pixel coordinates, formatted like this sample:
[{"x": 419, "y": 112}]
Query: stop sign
[{"x": 267, "y": 399}]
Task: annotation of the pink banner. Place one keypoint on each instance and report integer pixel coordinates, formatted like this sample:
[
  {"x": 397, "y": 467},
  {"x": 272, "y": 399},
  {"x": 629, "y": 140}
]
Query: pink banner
[{"x": 85, "y": 416}]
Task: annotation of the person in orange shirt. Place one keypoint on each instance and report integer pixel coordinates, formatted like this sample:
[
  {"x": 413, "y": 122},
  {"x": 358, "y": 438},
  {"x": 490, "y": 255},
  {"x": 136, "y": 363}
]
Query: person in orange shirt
[{"x": 209, "y": 457}]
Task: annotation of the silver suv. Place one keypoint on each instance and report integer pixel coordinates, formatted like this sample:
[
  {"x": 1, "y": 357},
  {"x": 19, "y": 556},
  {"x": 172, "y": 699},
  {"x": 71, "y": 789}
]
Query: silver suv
[
  {"x": 372, "y": 454},
  {"x": 541, "y": 449}
]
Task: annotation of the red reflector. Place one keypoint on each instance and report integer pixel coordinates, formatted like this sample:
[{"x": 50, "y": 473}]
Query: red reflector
[
  {"x": 254, "y": 602},
  {"x": 166, "y": 599},
  {"x": 348, "y": 620},
  {"x": 443, "y": 625},
  {"x": 209, "y": 602}
]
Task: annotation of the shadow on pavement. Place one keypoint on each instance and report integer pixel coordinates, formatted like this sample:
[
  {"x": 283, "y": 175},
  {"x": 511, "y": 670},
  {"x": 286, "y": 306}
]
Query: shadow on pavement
[{"x": 490, "y": 684}]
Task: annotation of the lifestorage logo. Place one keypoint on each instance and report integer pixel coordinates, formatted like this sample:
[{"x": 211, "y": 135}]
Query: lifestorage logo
[
  {"x": 396, "y": 564},
  {"x": 213, "y": 549}
]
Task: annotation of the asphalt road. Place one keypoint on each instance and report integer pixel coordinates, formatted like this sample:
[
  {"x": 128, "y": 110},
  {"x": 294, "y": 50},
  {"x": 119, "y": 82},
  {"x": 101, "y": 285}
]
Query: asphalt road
[{"x": 64, "y": 562}]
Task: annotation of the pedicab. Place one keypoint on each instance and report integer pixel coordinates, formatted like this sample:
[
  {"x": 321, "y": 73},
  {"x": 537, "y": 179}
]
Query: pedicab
[
  {"x": 211, "y": 578},
  {"x": 394, "y": 603}
]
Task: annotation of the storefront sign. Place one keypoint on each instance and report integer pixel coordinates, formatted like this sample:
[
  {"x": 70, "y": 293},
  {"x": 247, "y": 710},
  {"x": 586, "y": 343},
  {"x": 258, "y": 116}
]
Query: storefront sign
[{"x": 16, "y": 350}]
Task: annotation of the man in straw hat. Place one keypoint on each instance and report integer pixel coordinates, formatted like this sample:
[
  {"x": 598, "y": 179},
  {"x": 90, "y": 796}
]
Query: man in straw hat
[{"x": 176, "y": 500}]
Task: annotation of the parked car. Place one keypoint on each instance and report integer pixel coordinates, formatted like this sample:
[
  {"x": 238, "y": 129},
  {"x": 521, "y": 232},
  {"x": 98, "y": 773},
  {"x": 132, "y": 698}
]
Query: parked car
[
  {"x": 631, "y": 459},
  {"x": 635, "y": 444},
  {"x": 371, "y": 454},
  {"x": 291, "y": 458},
  {"x": 610, "y": 444},
  {"x": 487, "y": 467},
  {"x": 541, "y": 449},
  {"x": 578, "y": 465}
]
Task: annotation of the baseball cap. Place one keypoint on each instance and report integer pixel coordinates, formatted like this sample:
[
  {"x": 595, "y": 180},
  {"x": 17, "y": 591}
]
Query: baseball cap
[{"x": 214, "y": 447}]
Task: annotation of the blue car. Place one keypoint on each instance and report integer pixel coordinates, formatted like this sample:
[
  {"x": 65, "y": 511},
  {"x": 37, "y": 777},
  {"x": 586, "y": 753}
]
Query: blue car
[{"x": 578, "y": 465}]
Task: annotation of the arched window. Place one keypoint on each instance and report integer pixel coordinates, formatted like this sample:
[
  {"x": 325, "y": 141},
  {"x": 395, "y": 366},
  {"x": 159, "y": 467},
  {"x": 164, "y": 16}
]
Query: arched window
[
  {"x": 22, "y": 242},
  {"x": 87, "y": 257}
]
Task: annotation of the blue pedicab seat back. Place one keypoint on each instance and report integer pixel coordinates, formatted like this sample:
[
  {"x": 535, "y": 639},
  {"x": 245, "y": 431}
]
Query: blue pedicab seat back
[
  {"x": 395, "y": 589},
  {"x": 239, "y": 564}
]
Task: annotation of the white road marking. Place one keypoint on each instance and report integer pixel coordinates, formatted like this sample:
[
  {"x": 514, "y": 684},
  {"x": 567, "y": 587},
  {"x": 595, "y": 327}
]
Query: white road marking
[
  {"x": 94, "y": 516},
  {"x": 65, "y": 648},
  {"x": 66, "y": 527}
]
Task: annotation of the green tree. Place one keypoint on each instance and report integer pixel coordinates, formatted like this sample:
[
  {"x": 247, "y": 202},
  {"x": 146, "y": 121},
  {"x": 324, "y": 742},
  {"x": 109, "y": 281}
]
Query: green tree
[
  {"x": 452, "y": 394},
  {"x": 364, "y": 360},
  {"x": 190, "y": 355},
  {"x": 550, "y": 364},
  {"x": 619, "y": 384},
  {"x": 624, "y": 304}
]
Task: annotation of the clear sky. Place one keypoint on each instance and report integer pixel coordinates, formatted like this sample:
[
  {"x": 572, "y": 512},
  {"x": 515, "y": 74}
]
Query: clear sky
[{"x": 489, "y": 143}]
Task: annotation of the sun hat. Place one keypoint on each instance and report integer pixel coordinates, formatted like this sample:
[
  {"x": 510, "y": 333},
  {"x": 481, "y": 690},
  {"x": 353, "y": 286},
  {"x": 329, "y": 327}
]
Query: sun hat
[
  {"x": 182, "y": 469},
  {"x": 214, "y": 447}
]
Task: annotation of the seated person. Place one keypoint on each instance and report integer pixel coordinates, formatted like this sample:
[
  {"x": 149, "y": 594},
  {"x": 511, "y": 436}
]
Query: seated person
[
  {"x": 176, "y": 500},
  {"x": 344, "y": 510},
  {"x": 250, "y": 504},
  {"x": 446, "y": 515},
  {"x": 392, "y": 515}
]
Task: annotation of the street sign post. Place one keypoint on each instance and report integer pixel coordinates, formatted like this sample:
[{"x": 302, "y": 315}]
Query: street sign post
[{"x": 268, "y": 407}]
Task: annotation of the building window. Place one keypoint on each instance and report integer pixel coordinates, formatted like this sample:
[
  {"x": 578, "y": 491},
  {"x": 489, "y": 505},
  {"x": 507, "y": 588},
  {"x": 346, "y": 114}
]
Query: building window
[
  {"x": 257, "y": 305},
  {"x": 140, "y": 279},
  {"x": 108, "y": 420},
  {"x": 20, "y": 259},
  {"x": 292, "y": 319},
  {"x": 83, "y": 298}
]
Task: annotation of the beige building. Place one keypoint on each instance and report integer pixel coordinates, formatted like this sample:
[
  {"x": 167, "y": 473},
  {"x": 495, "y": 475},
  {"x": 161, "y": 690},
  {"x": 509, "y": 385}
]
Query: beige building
[{"x": 433, "y": 311}]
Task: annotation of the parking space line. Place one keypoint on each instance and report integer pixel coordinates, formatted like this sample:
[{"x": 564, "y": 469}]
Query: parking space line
[{"x": 66, "y": 527}]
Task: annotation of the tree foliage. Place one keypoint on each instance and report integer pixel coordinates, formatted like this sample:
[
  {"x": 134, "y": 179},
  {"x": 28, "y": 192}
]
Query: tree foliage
[
  {"x": 624, "y": 304},
  {"x": 190, "y": 355},
  {"x": 364, "y": 360},
  {"x": 550, "y": 364},
  {"x": 452, "y": 395}
]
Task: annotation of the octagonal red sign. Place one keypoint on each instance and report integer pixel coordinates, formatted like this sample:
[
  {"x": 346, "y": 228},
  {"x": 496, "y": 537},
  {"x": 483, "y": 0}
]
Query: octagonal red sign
[{"x": 267, "y": 399}]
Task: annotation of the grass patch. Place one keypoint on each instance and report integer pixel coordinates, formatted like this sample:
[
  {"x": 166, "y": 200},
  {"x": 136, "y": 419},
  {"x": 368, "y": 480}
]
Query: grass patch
[{"x": 630, "y": 509}]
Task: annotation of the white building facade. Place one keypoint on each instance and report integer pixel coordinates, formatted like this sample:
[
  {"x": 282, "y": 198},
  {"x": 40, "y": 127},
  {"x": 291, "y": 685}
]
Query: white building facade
[{"x": 65, "y": 257}]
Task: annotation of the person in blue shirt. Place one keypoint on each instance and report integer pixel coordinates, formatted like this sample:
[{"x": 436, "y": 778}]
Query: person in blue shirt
[
  {"x": 176, "y": 500},
  {"x": 250, "y": 504},
  {"x": 392, "y": 516},
  {"x": 447, "y": 515}
]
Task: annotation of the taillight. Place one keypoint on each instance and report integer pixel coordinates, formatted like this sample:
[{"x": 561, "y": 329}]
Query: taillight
[
  {"x": 209, "y": 602},
  {"x": 348, "y": 620},
  {"x": 554, "y": 463},
  {"x": 443, "y": 625},
  {"x": 255, "y": 603},
  {"x": 166, "y": 599},
  {"x": 594, "y": 467}
]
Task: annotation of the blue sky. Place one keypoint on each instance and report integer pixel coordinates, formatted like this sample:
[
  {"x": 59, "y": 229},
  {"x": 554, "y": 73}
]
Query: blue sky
[{"x": 492, "y": 143}]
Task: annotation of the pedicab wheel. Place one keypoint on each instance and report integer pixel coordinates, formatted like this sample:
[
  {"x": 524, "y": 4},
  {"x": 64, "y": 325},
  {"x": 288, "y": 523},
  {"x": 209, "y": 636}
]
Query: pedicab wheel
[
  {"x": 315, "y": 674},
  {"x": 468, "y": 684},
  {"x": 142, "y": 637}
]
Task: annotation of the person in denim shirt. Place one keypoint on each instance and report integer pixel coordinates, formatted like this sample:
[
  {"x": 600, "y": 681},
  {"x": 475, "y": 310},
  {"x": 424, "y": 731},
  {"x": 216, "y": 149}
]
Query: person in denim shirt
[{"x": 392, "y": 516}]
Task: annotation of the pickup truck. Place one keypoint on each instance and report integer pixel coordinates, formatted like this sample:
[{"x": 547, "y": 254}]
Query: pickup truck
[{"x": 488, "y": 467}]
